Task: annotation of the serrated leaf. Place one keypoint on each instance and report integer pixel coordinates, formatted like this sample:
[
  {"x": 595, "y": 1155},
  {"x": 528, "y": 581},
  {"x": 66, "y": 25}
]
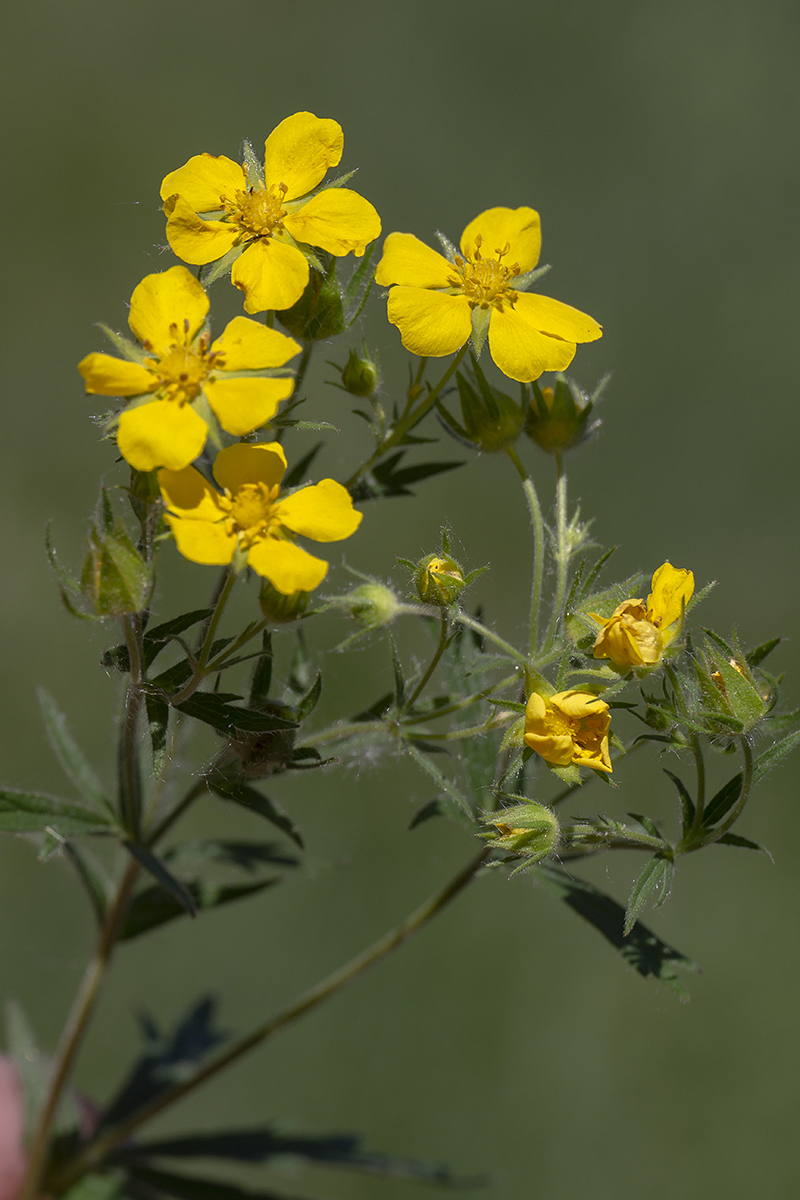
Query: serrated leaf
[
  {"x": 641, "y": 948},
  {"x": 250, "y": 798},
  {"x": 68, "y": 753},
  {"x": 162, "y": 874},
  {"x": 32, "y": 812},
  {"x": 229, "y": 718},
  {"x": 653, "y": 875}
]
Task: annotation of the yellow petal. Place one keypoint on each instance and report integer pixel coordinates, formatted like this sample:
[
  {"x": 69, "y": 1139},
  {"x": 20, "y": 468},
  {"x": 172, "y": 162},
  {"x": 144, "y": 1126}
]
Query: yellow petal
[
  {"x": 578, "y": 705},
  {"x": 288, "y": 568},
  {"x": 161, "y": 434},
  {"x": 338, "y": 220},
  {"x": 409, "y": 261},
  {"x": 247, "y": 345},
  {"x": 168, "y": 308},
  {"x": 517, "y": 228},
  {"x": 535, "y": 709},
  {"x": 271, "y": 274},
  {"x": 323, "y": 512},
  {"x": 245, "y": 462},
  {"x": 554, "y": 748},
  {"x": 557, "y": 319},
  {"x": 242, "y": 405},
  {"x": 188, "y": 495},
  {"x": 431, "y": 324},
  {"x": 197, "y": 241},
  {"x": 300, "y": 150},
  {"x": 201, "y": 542},
  {"x": 203, "y": 180},
  {"x": 520, "y": 350},
  {"x": 109, "y": 376},
  {"x": 673, "y": 588}
]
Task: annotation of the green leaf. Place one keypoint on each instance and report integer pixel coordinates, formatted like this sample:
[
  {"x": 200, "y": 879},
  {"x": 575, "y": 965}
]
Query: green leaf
[
  {"x": 756, "y": 656},
  {"x": 306, "y": 705},
  {"x": 249, "y": 797},
  {"x": 31, "y": 1066},
  {"x": 92, "y": 878},
  {"x": 164, "y": 876},
  {"x": 229, "y": 718},
  {"x": 399, "y": 681},
  {"x": 359, "y": 286},
  {"x": 432, "y": 809},
  {"x": 653, "y": 876},
  {"x": 221, "y": 267},
  {"x": 125, "y": 346},
  {"x": 389, "y": 478},
  {"x": 32, "y": 812},
  {"x": 687, "y": 804},
  {"x": 68, "y": 753},
  {"x": 376, "y": 710},
  {"x": 261, "y": 681},
  {"x": 158, "y": 725},
  {"x": 734, "y": 839},
  {"x": 771, "y": 757},
  {"x": 253, "y": 168},
  {"x": 641, "y": 948},
  {"x": 96, "y": 1187},
  {"x": 187, "y": 1187},
  {"x": 318, "y": 314},
  {"x": 154, "y": 907},
  {"x": 723, "y": 801},
  {"x": 300, "y": 669}
]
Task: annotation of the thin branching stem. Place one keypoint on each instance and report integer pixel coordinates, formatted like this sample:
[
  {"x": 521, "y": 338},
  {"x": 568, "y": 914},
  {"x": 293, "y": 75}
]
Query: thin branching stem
[
  {"x": 562, "y": 558},
  {"x": 444, "y": 629},
  {"x": 537, "y": 527}
]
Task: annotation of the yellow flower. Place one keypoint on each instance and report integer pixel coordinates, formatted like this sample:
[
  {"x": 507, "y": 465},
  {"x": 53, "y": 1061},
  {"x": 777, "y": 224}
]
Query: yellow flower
[
  {"x": 248, "y": 517},
  {"x": 437, "y": 304},
  {"x": 636, "y": 635},
  {"x": 179, "y": 367},
  {"x": 569, "y": 727},
  {"x": 270, "y": 217}
]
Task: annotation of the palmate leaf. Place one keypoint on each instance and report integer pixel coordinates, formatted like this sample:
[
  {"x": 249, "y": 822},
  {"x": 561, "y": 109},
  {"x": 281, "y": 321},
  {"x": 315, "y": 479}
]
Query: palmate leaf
[
  {"x": 166, "y": 1060},
  {"x": 641, "y": 948},
  {"x": 261, "y": 1145}
]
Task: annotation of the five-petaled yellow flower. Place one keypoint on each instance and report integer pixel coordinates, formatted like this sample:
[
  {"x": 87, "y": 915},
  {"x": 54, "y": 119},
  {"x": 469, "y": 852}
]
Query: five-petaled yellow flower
[
  {"x": 636, "y": 635},
  {"x": 569, "y": 727},
  {"x": 179, "y": 366},
  {"x": 248, "y": 517},
  {"x": 214, "y": 206},
  {"x": 436, "y": 303}
]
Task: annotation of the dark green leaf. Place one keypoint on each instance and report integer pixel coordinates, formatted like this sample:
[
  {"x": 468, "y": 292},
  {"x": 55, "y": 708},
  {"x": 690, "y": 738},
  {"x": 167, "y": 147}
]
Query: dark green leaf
[
  {"x": 306, "y": 705},
  {"x": 32, "y": 812},
  {"x": 376, "y": 710},
  {"x": 158, "y": 724},
  {"x": 771, "y": 757},
  {"x": 652, "y": 877},
  {"x": 687, "y": 804},
  {"x": 733, "y": 839},
  {"x": 647, "y": 824},
  {"x": 300, "y": 670},
  {"x": 432, "y": 809},
  {"x": 164, "y": 876},
  {"x": 297, "y": 474},
  {"x": 180, "y": 1187},
  {"x": 262, "y": 673},
  {"x": 641, "y": 948},
  {"x": 174, "y": 677},
  {"x": 92, "y": 879},
  {"x": 723, "y": 801},
  {"x": 153, "y": 906},
  {"x": 249, "y": 797},
  {"x": 399, "y": 682},
  {"x": 228, "y": 718},
  {"x": 68, "y": 753},
  {"x": 390, "y": 479},
  {"x": 756, "y": 656}
]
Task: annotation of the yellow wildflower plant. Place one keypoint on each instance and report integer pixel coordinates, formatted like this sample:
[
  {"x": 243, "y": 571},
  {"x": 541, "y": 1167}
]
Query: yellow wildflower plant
[
  {"x": 247, "y": 520},
  {"x": 179, "y": 365},
  {"x": 637, "y": 634},
  {"x": 437, "y": 304},
  {"x": 569, "y": 727},
  {"x": 215, "y": 206}
]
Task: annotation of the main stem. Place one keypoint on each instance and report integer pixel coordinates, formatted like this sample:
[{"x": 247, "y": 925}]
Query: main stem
[
  {"x": 72, "y": 1036},
  {"x": 324, "y": 990},
  {"x": 537, "y": 526},
  {"x": 562, "y": 555}
]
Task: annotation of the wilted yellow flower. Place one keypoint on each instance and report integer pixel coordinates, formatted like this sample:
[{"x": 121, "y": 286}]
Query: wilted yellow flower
[
  {"x": 636, "y": 635},
  {"x": 569, "y": 727},
  {"x": 163, "y": 428},
  {"x": 435, "y": 303},
  {"x": 267, "y": 217},
  {"x": 247, "y": 516}
]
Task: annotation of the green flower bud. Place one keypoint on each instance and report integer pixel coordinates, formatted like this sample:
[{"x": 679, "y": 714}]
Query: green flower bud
[
  {"x": 371, "y": 605},
  {"x": 490, "y": 419},
  {"x": 439, "y": 580},
  {"x": 558, "y": 418},
  {"x": 738, "y": 691},
  {"x": 360, "y": 376},
  {"x": 115, "y": 580},
  {"x": 278, "y": 608},
  {"x": 529, "y": 829},
  {"x": 318, "y": 314}
]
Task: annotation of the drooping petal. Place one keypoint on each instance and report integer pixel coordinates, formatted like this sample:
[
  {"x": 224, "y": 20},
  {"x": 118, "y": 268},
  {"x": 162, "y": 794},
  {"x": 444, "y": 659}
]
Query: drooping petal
[
  {"x": 431, "y": 324},
  {"x": 203, "y": 180},
  {"x": 13, "y": 1160},
  {"x": 673, "y": 588},
  {"x": 109, "y": 376},
  {"x": 338, "y": 220},
  {"x": 197, "y": 241},
  {"x": 247, "y": 345},
  {"x": 263, "y": 462},
  {"x": 288, "y": 567},
  {"x": 271, "y": 274},
  {"x": 578, "y": 705},
  {"x": 161, "y": 434},
  {"x": 408, "y": 261},
  {"x": 517, "y": 228},
  {"x": 557, "y": 319},
  {"x": 242, "y": 405},
  {"x": 168, "y": 307},
  {"x": 300, "y": 150},
  {"x": 323, "y": 512},
  {"x": 189, "y": 496},
  {"x": 522, "y": 351},
  {"x": 556, "y": 748}
]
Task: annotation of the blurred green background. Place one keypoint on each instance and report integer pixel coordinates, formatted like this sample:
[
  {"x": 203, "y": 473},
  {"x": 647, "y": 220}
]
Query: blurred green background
[{"x": 659, "y": 143}]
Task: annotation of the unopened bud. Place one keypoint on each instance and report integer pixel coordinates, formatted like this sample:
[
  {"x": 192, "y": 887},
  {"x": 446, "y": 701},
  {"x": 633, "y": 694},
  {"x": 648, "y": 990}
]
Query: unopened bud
[
  {"x": 491, "y": 420},
  {"x": 439, "y": 580},
  {"x": 280, "y": 609},
  {"x": 372, "y": 605},
  {"x": 115, "y": 579},
  {"x": 558, "y": 418},
  {"x": 360, "y": 376},
  {"x": 529, "y": 830}
]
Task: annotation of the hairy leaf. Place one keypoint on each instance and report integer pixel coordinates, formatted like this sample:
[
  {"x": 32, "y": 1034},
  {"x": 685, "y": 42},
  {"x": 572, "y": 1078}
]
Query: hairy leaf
[
  {"x": 32, "y": 812},
  {"x": 68, "y": 752}
]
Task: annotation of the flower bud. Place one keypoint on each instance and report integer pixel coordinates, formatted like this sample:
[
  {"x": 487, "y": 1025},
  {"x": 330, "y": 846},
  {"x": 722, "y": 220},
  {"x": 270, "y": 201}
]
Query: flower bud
[
  {"x": 318, "y": 314},
  {"x": 280, "y": 609},
  {"x": 490, "y": 419},
  {"x": 439, "y": 580},
  {"x": 372, "y": 605},
  {"x": 360, "y": 375},
  {"x": 115, "y": 579},
  {"x": 558, "y": 418},
  {"x": 529, "y": 829}
]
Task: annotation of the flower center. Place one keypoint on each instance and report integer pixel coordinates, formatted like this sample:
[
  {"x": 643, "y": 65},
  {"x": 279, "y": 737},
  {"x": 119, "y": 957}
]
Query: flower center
[
  {"x": 486, "y": 281},
  {"x": 253, "y": 511},
  {"x": 558, "y": 724},
  {"x": 258, "y": 212},
  {"x": 182, "y": 369}
]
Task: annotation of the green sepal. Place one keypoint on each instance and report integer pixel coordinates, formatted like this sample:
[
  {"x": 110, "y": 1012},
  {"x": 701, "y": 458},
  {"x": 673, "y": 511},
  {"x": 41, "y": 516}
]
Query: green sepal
[{"x": 319, "y": 313}]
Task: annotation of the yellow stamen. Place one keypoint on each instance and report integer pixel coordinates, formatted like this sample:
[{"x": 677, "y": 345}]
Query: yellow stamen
[
  {"x": 258, "y": 212},
  {"x": 253, "y": 512},
  {"x": 486, "y": 281}
]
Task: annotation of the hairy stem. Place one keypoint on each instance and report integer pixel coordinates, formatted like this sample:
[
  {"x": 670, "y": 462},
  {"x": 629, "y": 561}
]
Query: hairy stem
[
  {"x": 562, "y": 557},
  {"x": 440, "y": 649},
  {"x": 537, "y": 526}
]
